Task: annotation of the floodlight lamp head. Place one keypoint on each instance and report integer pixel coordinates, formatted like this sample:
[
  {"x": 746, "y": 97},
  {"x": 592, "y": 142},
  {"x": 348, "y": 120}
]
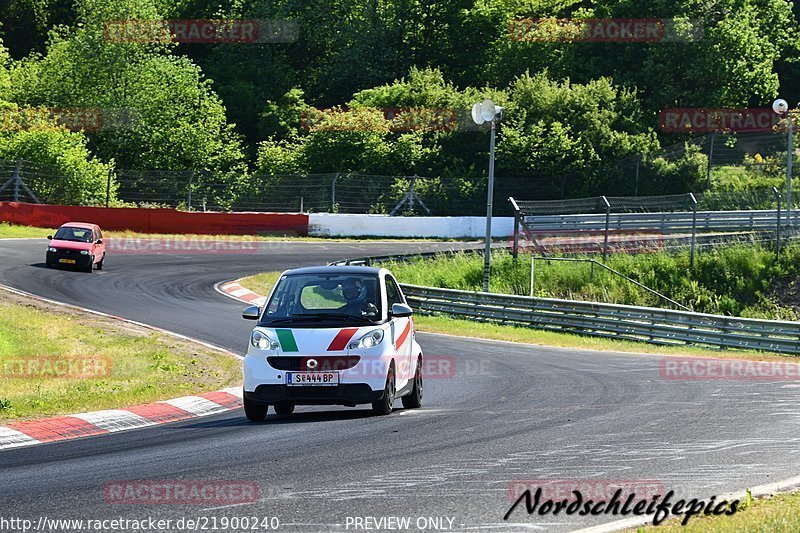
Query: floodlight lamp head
[
  {"x": 780, "y": 106},
  {"x": 477, "y": 118}
]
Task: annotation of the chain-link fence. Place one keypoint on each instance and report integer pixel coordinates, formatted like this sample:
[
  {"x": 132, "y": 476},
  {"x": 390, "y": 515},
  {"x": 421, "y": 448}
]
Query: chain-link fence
[{"x": 740, "y": 169}]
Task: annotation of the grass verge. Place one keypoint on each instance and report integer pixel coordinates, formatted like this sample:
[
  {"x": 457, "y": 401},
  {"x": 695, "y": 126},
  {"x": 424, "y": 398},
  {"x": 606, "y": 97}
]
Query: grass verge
[
  {"x": 9, "y": 231},
  {"x": 780, "y": 513},
  {"x": 56, "y": 360},
  {"x": 262, "y": 284}
]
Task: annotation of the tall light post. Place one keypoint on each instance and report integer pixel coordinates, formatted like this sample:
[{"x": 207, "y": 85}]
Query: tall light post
[
  {"x": 483, "y": 112},
  {"x": 781, "y": 107}
]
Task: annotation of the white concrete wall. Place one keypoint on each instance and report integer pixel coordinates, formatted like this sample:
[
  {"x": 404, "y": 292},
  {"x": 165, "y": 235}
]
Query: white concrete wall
[{"x": 341, "y": 225}]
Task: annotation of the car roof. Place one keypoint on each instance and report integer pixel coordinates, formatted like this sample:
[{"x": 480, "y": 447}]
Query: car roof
[
  {"x": 348, "y": 269},
  {"x": 82, "y": 225}
]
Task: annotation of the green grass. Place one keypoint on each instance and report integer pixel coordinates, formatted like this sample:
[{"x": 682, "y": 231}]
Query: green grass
[
  {"x": 262, "y": 284},
  {"x": 11, "y": 231},
  {"x": 8, "y": 231},
  {"x": 738, "y": 280},
  {"x": 778, "y": 514},
  {"x": 129, "y": 365}
]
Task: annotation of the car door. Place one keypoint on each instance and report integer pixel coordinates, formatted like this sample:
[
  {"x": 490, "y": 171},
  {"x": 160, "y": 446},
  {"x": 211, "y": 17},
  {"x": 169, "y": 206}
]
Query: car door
[
  {"x": 402, "y": 334},
  {"x": 100, "y": 249}
]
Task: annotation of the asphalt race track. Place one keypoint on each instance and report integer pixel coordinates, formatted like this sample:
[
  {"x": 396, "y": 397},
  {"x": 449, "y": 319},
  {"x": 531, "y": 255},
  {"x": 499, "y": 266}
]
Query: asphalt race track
[{"x": 507, "y": 413}]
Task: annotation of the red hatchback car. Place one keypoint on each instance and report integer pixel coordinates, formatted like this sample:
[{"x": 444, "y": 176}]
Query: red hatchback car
[{"x": 77, "y": 244}]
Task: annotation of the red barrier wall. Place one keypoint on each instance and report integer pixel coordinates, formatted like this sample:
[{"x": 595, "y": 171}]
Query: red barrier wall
[{"x": 154, "y": 220}]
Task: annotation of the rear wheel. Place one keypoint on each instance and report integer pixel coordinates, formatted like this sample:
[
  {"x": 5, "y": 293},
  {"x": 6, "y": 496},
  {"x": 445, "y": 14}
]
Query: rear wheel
[
  {"x": 414, "y": 400},
  {"x": 384, "y": 405},
  {"x": 254, "y": 411},
  {"x": 284, "y": 408}
]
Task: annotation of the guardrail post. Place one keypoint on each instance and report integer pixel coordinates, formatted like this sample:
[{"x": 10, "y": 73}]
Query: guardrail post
[
  {"x": 777, "y": 194},
  {"x": 608, "y": 220},
  {"x": 693, "y": 202},
  {"x": 515, "y": 248},
  {"x": 533, "y": 262}
]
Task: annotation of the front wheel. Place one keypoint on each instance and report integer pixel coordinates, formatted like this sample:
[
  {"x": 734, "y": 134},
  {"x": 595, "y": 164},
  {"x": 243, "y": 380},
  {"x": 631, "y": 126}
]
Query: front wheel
[
  {"x": 414, "y": 400},
  {"x": 101, "y": 263},
  {"x": 384, "y": 405},
  {"x": 90, "y": 267},
  {"x": 254, "y": 411}
]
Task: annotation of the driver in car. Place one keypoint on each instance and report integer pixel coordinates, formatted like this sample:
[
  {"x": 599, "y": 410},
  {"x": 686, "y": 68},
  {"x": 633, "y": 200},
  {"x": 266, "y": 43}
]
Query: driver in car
[{"x": 355, "y": 293}]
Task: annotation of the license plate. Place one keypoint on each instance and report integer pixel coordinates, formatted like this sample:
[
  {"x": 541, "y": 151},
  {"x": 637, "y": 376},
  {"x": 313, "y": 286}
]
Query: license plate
[
  {"x": 67, "y": 261},
  {"x": 320, "y": 379}
]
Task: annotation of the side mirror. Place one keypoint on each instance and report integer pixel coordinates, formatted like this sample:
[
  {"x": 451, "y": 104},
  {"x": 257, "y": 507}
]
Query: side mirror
[
  {"x": 401, "y": 310},
  {"x": 251, "y": 313},
  {"x": 49, "y": 237},
  {"x": 99, "y": 241}
]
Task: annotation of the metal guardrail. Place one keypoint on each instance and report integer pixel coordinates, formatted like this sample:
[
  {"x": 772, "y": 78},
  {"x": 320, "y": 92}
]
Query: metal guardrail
[
  {"x": 616, "y": 321},
  {"x": 652, "y": 325},
  {"x": 665, "y": 222}
]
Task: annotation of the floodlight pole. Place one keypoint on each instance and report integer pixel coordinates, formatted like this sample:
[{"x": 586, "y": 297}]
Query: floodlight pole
[
  {"x": 487, "y": 256},
  {"x": 789, "y": 169}
]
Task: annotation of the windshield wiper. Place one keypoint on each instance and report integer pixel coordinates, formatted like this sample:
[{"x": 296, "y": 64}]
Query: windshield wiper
[
  {"x": 341, "y": 316},
  {"x": 316, "y": 317}
]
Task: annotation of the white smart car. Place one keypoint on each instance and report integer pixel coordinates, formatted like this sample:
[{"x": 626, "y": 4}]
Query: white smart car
[{"x": 333, "y": 335}]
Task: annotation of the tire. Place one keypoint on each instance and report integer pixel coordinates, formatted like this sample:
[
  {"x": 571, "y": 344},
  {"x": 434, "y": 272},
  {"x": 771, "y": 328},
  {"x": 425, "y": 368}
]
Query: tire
[
  {"x": 283, "y": 408},
  {"x": 90, "y": 267},
  {"x": 102, "y": 261},
  {"x": 384, "y": 405},
  {"x": 49, "y": 264},
  {"x": 253, "y": 411},
  {"x": 414, "y": 400}
]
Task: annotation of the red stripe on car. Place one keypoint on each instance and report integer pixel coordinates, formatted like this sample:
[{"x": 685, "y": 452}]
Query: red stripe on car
[
  {"x": 342, "y": 338},
  {"x": 403, "y": 336}
]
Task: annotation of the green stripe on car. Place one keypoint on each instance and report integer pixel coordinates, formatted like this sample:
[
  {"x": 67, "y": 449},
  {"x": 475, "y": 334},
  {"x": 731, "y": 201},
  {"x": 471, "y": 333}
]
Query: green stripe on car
[{"x": 286, "y": 338}]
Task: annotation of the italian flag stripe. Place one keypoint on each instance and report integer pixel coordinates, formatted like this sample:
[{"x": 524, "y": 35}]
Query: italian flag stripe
[
  {"x": 342, "y": 338},
  {"x": 286, "y": 338}
]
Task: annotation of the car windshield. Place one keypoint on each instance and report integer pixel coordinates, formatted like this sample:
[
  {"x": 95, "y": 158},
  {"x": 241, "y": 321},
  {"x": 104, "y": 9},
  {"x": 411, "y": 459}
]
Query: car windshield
[
  {"x": 67, "y": 233},
  {"x": 309, "y": 300}
]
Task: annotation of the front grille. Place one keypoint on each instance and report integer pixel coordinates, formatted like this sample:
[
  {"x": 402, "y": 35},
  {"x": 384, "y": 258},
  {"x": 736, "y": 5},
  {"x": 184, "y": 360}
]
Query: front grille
[{"x": 326, "y": 363}]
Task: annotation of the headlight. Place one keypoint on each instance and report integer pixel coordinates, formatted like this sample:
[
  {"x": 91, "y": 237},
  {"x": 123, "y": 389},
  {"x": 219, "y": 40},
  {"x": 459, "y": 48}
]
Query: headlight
[
  {"x": 373, "y": 338},
  {"x": 84, "y": 252},
  {"x": 262, "y": 342},
  {"x": 51, "y": 249}
]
